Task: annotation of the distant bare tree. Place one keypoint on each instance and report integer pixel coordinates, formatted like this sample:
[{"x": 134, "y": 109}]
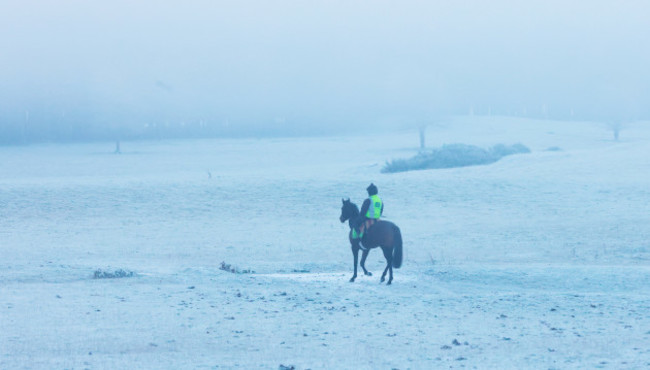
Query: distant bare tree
[
  {"x": 616, "y": 127},
  {"x": 23, "y": 133},
  {"x": 422, "y": 136}
]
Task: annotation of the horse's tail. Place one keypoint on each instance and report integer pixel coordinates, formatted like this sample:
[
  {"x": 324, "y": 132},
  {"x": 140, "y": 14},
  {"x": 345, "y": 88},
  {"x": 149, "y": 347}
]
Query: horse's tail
[{"x": 397, "y": 247}]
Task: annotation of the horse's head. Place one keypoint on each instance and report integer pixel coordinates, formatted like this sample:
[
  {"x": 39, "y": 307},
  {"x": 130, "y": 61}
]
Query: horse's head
[{"x": 348, "y": 210}]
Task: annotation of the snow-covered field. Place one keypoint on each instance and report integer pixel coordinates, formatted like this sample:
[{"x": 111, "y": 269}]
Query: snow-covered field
[{"x": 540, "y": 260}]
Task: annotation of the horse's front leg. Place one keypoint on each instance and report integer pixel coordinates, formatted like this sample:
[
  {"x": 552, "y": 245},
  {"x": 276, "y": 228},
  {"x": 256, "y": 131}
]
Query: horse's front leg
[
  {"x": 364, "y": 255},
  {"x": 355, "y": 253}
]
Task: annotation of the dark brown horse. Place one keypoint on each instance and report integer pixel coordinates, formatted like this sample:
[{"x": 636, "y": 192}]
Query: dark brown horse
[{"x": 382, "y": 234}]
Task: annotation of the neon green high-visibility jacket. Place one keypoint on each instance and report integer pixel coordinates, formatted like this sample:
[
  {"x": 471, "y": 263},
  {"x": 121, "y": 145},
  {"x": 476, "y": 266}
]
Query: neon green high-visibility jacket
[{"x": 374, "y": 211}]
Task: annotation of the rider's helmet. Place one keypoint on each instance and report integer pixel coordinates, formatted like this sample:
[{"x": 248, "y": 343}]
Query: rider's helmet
[{"x": 372, "y": 190}]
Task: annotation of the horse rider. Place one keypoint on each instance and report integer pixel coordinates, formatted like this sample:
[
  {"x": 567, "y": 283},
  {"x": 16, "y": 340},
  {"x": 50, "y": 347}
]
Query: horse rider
[{"x": 371, "y": 210}]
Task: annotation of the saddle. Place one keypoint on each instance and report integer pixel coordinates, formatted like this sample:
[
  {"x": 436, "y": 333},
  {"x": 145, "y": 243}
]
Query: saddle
[
  {"x": 363, "y": 227},
  {"x": 366, "y": 225}
]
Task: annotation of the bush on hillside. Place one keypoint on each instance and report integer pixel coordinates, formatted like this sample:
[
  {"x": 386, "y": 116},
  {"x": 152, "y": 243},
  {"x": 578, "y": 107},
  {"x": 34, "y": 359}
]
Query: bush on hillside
[{"x": 453, "y": 155}]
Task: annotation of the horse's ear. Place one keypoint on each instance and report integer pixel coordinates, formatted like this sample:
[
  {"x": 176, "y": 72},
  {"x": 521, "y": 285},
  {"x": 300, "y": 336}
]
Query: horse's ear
[
  {"x": 348, "y": 200},
  {"x": 342, "y": 201}
]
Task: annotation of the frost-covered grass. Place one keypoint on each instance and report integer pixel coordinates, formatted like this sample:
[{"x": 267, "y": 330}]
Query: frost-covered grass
[
  {"x": 542, "y": 262},
  {"x": 454, "y": 155}
]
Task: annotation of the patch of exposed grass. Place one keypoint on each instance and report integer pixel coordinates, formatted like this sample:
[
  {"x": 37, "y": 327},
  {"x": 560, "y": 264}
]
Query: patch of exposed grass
[
  {"x": 117, "y": 274},
  {"x": 232, "y": 269}
]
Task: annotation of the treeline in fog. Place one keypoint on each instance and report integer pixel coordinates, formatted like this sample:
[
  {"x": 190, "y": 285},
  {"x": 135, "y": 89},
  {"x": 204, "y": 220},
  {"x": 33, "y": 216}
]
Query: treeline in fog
[
  {"x": 41, "y": 123},
  {"x": 123, "y": 70}
]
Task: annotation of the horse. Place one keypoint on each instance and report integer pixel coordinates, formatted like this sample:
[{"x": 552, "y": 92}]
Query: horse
[{"x": 384, "y": 234}]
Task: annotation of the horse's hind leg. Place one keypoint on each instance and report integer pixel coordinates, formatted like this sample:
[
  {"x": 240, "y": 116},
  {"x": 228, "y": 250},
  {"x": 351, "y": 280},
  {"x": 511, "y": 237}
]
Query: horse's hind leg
[
  {"x": 364, "y": 255},
  {"x": 389, "y": 265}
]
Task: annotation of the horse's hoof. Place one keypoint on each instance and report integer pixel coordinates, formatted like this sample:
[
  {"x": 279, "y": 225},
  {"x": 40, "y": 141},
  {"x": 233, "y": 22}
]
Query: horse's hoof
[
  {"x": 389, "y": 282},
  {"x": 382, "y": 280},
  {"x": 368, "y": 273},
  {"x": 352, "y": 279}
]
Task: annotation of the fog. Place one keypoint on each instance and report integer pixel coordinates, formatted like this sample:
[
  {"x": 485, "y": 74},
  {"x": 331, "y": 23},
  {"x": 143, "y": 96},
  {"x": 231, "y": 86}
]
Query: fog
[{"x": 80, "y": 70}]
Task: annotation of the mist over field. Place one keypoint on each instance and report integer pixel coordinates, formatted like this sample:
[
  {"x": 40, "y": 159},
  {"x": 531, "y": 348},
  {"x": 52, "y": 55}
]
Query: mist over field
[
  {"x": 78, "y": 70},
  {"x": 520, "y": 234}
]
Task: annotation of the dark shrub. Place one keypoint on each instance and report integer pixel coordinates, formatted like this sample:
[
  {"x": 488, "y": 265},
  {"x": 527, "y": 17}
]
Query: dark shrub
[{"x": 453, "y": 155}]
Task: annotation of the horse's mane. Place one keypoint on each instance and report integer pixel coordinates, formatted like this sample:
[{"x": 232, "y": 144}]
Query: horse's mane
[{"x": 354, "y": 206}]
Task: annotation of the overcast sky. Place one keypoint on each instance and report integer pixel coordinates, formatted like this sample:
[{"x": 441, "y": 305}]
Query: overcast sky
[{"x": 322, "y": 61}]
